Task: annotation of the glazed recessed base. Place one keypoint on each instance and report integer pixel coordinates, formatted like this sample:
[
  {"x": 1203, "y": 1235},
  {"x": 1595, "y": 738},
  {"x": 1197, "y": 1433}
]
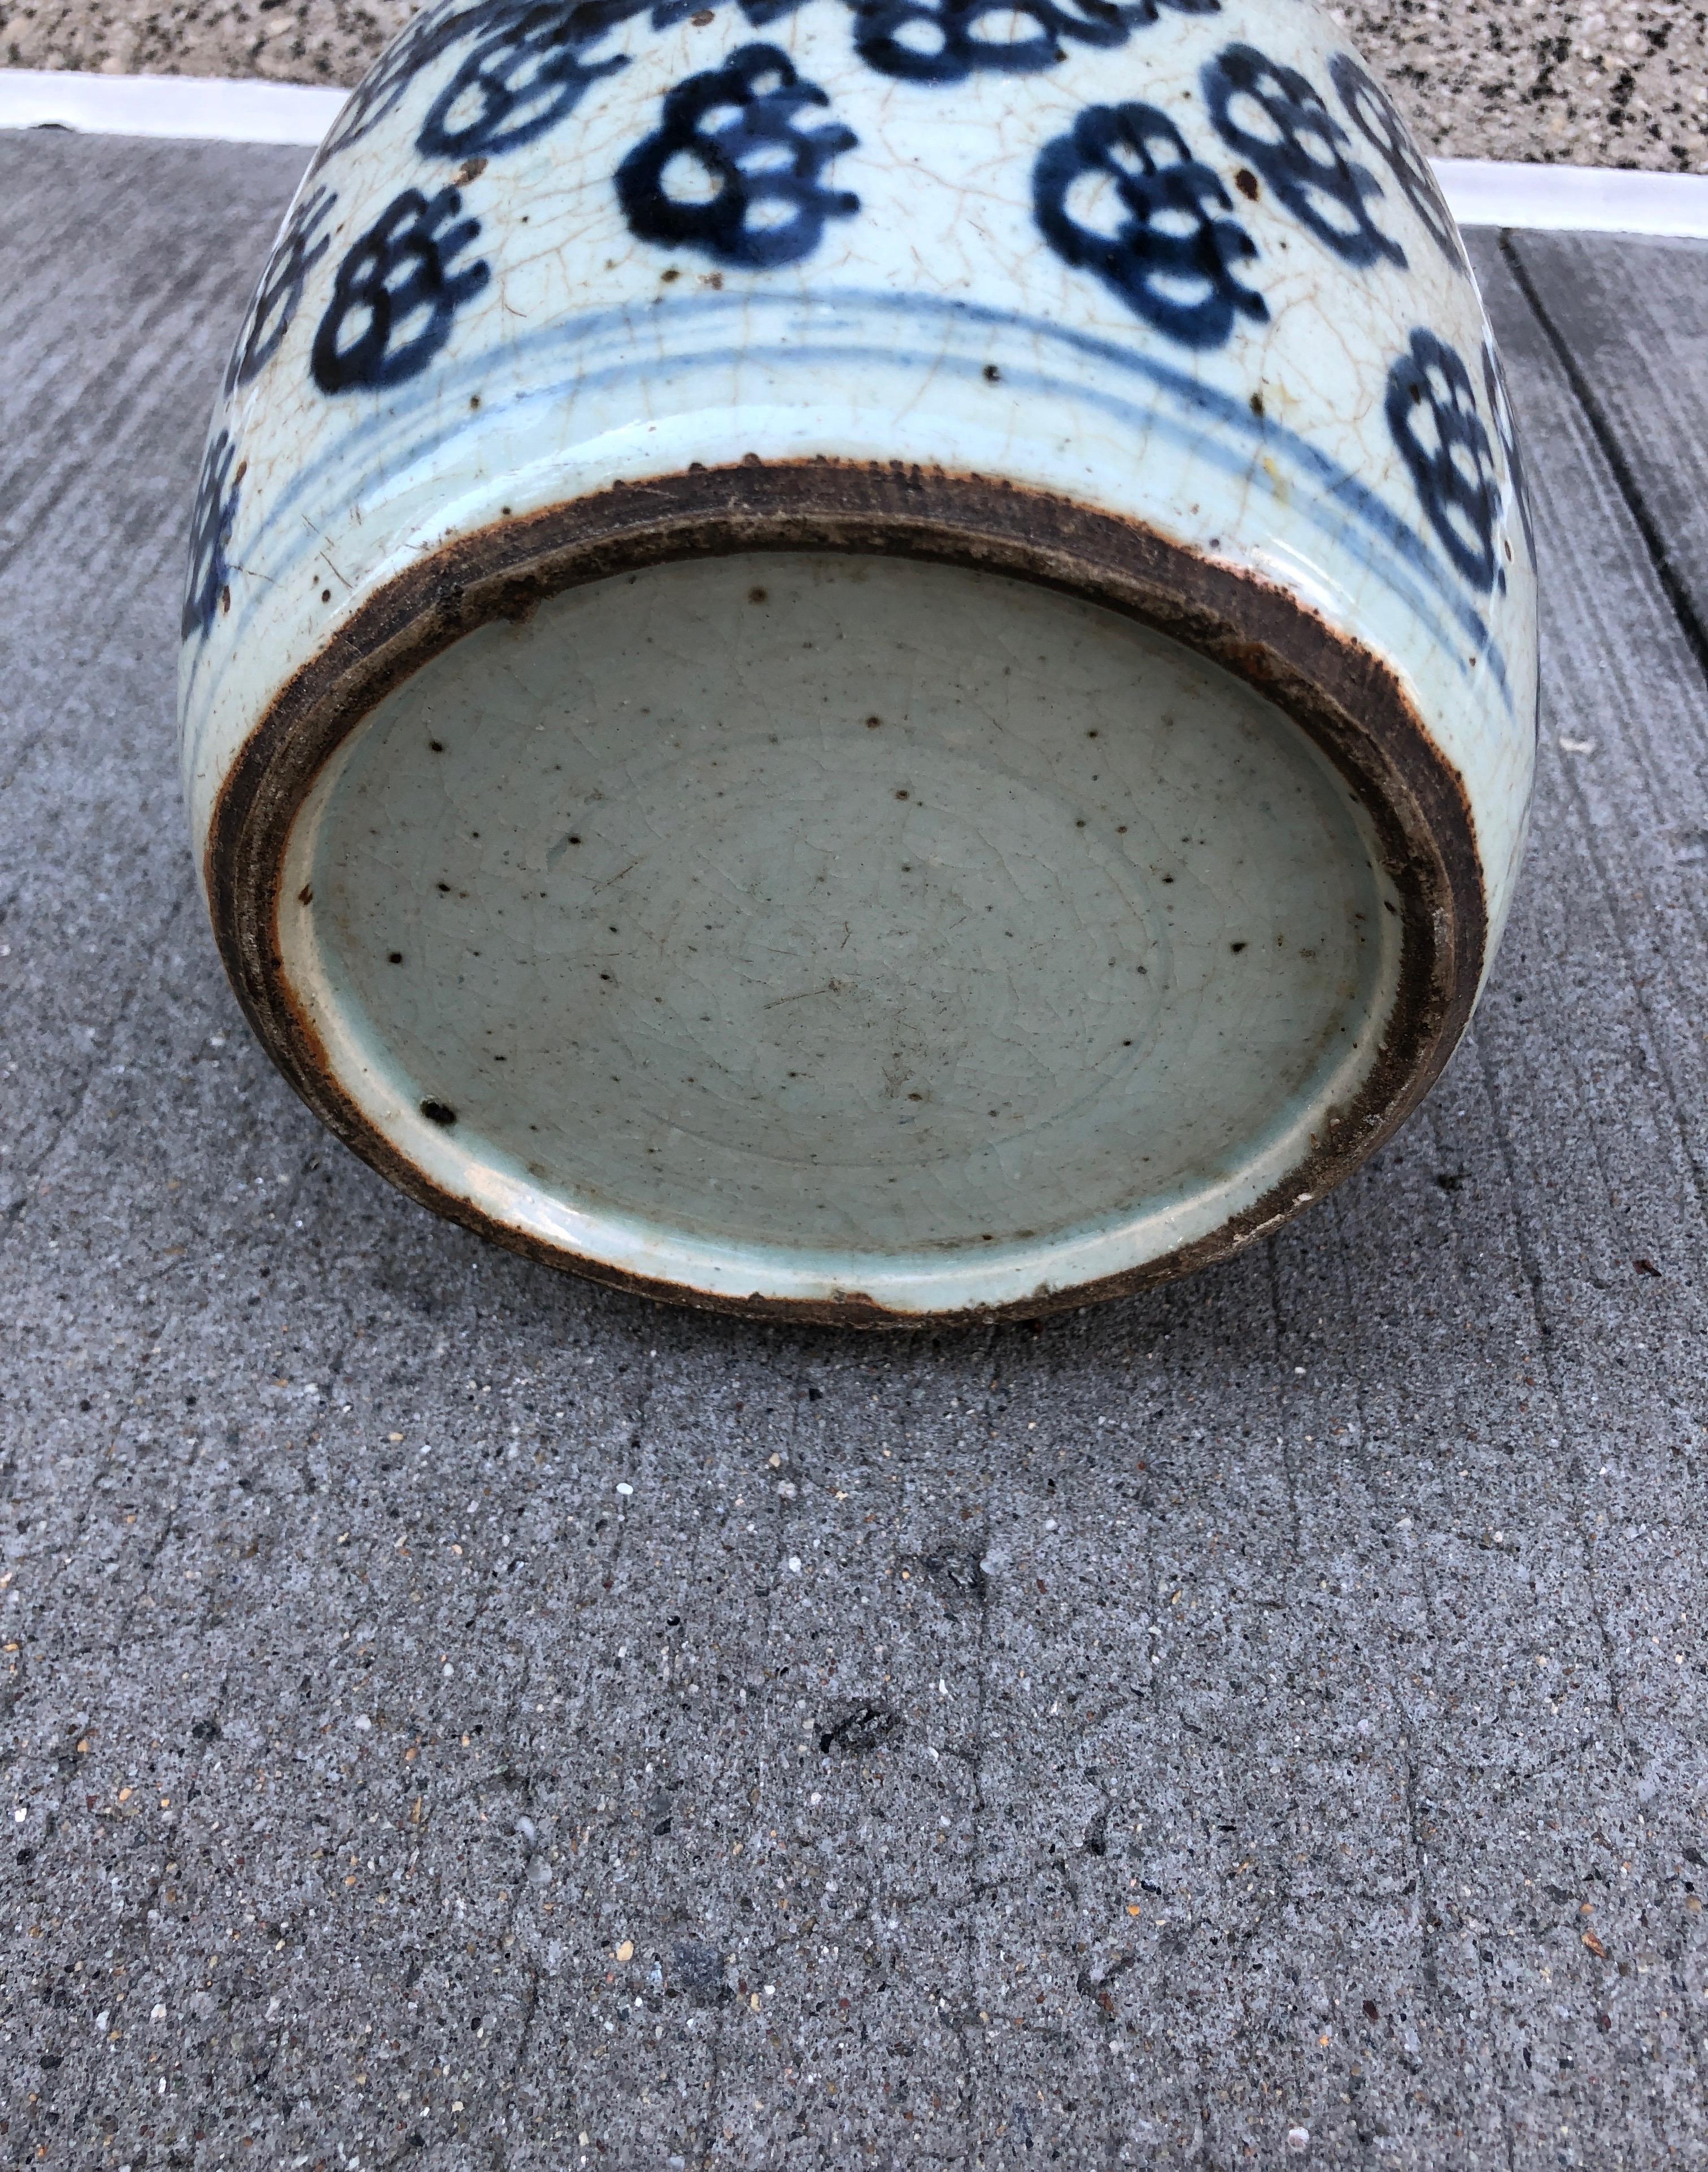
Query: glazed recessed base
[{"x": 812, "y": 927}]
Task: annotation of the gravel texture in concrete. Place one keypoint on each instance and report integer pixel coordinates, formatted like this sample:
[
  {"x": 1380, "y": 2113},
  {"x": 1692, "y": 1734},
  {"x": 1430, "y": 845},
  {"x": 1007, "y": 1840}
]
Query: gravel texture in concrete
[
  {"x": 1625, "y": 83},
  {"x": 455, "y": 1717}
]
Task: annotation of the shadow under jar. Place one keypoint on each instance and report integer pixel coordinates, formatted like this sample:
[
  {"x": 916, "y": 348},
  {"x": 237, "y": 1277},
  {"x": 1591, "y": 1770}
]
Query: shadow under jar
[{"x": 874, "y": 662}]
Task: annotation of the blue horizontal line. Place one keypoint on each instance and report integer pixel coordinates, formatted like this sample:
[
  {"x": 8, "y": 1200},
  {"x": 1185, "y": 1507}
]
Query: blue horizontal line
[{"x": 1340, "y": 502}]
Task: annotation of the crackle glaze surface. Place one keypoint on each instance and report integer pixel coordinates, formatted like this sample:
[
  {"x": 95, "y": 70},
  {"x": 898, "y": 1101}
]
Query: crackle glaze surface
[
  {"x": 1168, "y": 260},
  {"x": 958, "y": 972}
]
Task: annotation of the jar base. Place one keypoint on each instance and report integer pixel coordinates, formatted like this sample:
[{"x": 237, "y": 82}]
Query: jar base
[
  {"x": 879, "y": 934},
  {"x": 869, "y": 922}
]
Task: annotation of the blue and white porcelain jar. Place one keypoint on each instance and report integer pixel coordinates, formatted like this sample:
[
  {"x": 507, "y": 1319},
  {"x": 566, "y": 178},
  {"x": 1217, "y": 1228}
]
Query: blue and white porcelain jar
[{"x": 865, "y": 658}]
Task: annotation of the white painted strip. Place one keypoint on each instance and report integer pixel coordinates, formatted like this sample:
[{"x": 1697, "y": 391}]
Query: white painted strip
[
  {"x": 205, "y": 107},
  {"x": 1482, "y": 191},
  {"x": 1575, "y": 199}
]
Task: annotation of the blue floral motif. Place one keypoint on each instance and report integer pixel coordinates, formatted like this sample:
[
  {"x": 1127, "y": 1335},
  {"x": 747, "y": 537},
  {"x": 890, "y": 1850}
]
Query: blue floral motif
[
  {"x": 740, "y": 125},
  {"x": 431, "y": 34},
  {"x": 1299, "y": 149},
  {"x": 206, "y": 593},
  {"x": 1501, "y": 408},
  {"x": 1431, "y": 408},
  {"x": 1172, "y": 256},
  {"x": 522, "y": 78},
  {"x": 1377, "y": 120},
  {"x": 946, "y": 41},
  {"x": 395, "y": 285},
  {"x": 279, "y": 295},
  {"x": 534, "y": 55}
]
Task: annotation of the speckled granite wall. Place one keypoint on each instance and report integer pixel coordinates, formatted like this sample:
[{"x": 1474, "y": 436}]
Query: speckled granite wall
[{"x": 1623, "y": 84}]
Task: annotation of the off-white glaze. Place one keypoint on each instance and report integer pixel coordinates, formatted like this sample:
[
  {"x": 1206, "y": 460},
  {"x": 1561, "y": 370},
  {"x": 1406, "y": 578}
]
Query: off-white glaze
[{"x": 920, "y": 926}]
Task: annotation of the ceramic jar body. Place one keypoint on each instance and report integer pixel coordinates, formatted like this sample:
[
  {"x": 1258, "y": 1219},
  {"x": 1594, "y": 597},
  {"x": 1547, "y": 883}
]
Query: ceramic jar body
[{"x": 1151, "y": 309}]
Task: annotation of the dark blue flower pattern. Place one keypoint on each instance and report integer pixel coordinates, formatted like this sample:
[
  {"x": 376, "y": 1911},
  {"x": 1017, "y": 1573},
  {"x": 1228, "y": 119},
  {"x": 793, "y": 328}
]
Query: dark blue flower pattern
[
  {"x": 731, "y": 171},
  {"x": 1171, "y": 253},
  {"x": 206, "y": 589},
  {"x": 522, "y": 78},
  {"x": 277, "y": 299},
  {"x": 396, "y": 295},
  {"x": 1377, "y": 120},
  {"x": 946, "y": 41},
  {"x": 1431, "y": 408},
  {"x": 1271, "y": 117},
  {"x": 1506, "y": 433}
]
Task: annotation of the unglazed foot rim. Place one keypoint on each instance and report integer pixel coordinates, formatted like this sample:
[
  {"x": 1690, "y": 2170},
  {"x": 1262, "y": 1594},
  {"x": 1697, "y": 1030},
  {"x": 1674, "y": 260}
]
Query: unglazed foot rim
[{"x": 1349, "y": 704}]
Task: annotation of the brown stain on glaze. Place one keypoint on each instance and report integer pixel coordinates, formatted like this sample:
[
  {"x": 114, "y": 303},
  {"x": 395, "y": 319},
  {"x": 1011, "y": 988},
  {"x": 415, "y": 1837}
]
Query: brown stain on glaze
[{"x": 1345, "y": 698}]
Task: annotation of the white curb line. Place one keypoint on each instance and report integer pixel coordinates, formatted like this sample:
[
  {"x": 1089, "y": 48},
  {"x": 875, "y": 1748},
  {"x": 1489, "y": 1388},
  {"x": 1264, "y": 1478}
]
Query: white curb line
[
  {"x": 1575, "y": 199},
  {"x": 192, "y": 106},
  {"x": 1482, "y": 191}
]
